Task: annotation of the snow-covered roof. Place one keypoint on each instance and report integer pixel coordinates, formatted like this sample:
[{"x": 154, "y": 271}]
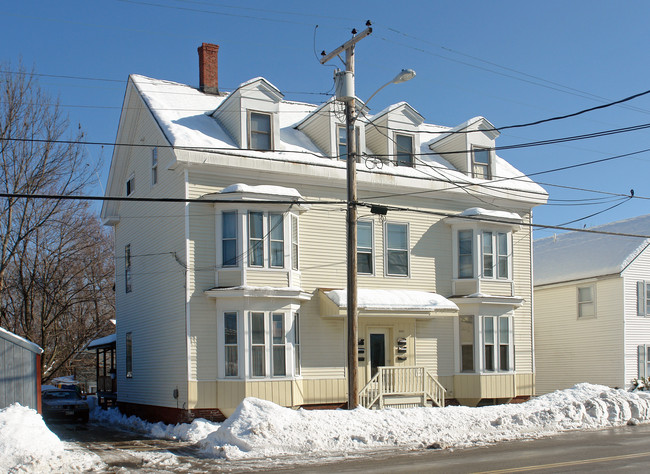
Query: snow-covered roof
[
  {"x": 393, "y": 300},
  {"x": 183, "y": 114},
  {"x": 102, "y": 341},
  {"x": 263, "y": 189},
  {"x": 21, "y": 341},
  {"x": 480, "y": 212},
  {"x": 578, "y": 255}
]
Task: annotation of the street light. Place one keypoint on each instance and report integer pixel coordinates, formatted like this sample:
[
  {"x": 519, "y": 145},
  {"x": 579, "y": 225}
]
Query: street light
[{"x": 403, "y": 76}]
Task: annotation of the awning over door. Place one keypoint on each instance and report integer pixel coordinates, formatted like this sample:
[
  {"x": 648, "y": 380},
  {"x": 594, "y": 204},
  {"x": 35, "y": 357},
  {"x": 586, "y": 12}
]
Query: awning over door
[{"x": 391, "y": 303}]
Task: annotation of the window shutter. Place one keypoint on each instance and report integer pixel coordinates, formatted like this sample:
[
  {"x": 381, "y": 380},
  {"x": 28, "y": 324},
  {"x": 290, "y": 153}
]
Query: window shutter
[
  {"x": 642, "y": 364},
  {"x": 640, "y": 298}
]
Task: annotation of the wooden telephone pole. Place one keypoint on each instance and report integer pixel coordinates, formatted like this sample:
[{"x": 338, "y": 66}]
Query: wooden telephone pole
[{"x": 350, "y": 118}]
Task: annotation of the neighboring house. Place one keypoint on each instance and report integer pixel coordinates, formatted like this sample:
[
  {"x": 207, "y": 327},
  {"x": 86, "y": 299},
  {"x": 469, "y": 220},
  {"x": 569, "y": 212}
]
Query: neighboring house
[
  {"x": 592, "y": 306},
  {"x": 20, "y": 371},
  {"x": 240, "y": 292}
]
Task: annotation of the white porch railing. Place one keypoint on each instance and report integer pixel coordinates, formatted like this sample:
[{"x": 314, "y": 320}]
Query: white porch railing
[{"x": 402, "y": 386}]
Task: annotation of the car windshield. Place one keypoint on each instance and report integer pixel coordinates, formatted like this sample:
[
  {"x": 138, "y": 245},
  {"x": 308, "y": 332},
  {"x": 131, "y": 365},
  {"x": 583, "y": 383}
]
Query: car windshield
[{"x": 61, "y": 395}]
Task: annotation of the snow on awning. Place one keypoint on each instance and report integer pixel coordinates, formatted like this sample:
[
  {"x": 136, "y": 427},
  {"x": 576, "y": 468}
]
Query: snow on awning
[
  {"x": 102, "y": 342},
  {"x": 389, "y": 302}
]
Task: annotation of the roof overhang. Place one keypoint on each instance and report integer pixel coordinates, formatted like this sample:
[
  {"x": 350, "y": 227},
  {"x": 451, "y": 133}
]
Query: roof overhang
[
  {"x": 107, "y": 342},
  {"x": 387, "y": 303},
  {"x": 259, "y": 292}
]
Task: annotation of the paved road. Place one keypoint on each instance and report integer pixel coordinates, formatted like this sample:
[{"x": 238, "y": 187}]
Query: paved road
[{"x": 612, "y": 450}]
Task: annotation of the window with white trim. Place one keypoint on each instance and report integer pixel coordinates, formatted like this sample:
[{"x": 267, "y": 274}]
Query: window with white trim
[
  {"x": 279, "y": 341},
  {"x": 496, "y": 343},
  {"x": 127, "y": 269},
  {"x": 258, "y": 345},
  {"x": 365, "y": 252},
  {"x": 231, "y": 344},
  {"x": 493, "y": 336},
  {"x": 466, "y": 326},
  {"x": 586, "y": 301},
  {"x": 481, "y": 163},
  {"x": 259, "y": 131},
  {"x": 403, "y": 150},
  {"x": 276, "y": 240},
  {"x": 342, "y": 141},
  {"x": 643, "y": 298},
  {"x": 256, "y": 239},
  {"x": 154, "y": 166},
  {"x": 465, "y": 254},
  {"x": 397, "y": 249},
  {"x": 495, "y": 256},
  {"x": 229, "y": 238}
]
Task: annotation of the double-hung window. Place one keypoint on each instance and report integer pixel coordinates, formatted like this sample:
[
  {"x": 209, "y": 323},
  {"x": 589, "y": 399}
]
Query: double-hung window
[
  {"x": 364, "y": 247},
  {"x": 397, "y": 250},
  {"x": 276, "y": 240},
  {"x": 229, "y": 238},
  {"x": 403, "y": 150},
  {"x": 258, "y": 345},
  {"x": 496, "y": 343},
  {"x": 465, "y": 254},
  {"x": 586, "y": 302},
  {"x": 499, "y": 264},
  {"x": 481, "y": 163},
  {"x": 231, "y": 344},
  {"x": 643, "y": 298},
  {"x": 130, "y": 185},
  {"x": 466, "y": 326},
  {"x": 256, "y": 239},
  {"x": 279, "y": 345},
  {"x": 342, "y": 142},
  {"x": 260, "y": 132}
]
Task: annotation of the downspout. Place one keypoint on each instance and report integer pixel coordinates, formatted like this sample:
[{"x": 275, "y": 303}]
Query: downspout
[{"x": 187, "y": 291}]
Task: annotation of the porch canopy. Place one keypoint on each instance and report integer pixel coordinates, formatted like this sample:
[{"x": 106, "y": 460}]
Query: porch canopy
[{"x": 391, "y": 303}]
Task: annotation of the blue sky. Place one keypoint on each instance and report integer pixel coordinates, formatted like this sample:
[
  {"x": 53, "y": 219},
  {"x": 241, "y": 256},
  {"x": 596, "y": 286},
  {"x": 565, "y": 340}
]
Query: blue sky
[{"x": 510, "y": 61}]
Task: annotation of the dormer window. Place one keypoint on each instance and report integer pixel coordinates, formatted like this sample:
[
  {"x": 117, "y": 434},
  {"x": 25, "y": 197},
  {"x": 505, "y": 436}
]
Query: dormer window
[
  {"x": 259, "y": 131},
  {"x": 342, "y": 142},
  {"x": 403, "y": 150},
  {"x": 481, "y": 163}
]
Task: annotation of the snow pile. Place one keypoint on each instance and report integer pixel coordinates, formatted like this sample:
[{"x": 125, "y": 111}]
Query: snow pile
[
  {"x": 193, "y": 432},
  {"x": 260, "y": 428},
  {"x": 27, "y": 445}
]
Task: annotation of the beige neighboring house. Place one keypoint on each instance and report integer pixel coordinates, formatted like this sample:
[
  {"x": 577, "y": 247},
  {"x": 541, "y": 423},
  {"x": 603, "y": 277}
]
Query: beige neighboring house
[
  {"x": 592, "y": 307},
  {"x": 240, "y": 291}
]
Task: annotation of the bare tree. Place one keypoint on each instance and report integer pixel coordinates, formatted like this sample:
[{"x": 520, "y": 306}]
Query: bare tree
[{"x": 56, "y": 260}]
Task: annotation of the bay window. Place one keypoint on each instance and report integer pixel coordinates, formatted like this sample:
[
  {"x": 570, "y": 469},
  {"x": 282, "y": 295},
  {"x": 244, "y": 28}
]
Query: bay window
[
  {"x": 229, "y": 238},
  {"x": 276, "y": 241},
  {"x": 279, "y": 345},
  {"x": 493, "y": 337},
  {"x": 465, "y": 254},
  {"x": 256, "y": 239},
  {"x": 495, "y": 256},
  {"x": 258, "y": 345}
]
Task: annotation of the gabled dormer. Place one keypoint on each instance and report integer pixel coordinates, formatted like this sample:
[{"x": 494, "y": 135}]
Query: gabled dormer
[
  {"x": 469, "y": 147},
  {"x": 325, "y": 126},
  {"x": 250, "y": 114},
  {"x": 393, "y": 134}
]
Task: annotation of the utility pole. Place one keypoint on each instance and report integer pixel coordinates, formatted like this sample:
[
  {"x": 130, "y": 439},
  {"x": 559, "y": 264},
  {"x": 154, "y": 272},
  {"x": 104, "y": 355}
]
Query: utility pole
[{"x": 349, "y": 98}]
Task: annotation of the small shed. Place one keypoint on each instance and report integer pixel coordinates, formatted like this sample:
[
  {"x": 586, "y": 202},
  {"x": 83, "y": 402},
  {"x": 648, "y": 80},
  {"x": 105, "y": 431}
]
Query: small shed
[{"x": 20, "y": 371}]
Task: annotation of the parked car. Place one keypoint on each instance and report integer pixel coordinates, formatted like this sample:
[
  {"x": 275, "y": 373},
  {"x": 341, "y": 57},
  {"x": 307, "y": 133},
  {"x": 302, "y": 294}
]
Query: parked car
[{"x": 64, "y": 404}]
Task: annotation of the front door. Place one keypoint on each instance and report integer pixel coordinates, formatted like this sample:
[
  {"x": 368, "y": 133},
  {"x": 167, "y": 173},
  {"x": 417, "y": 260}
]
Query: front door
[{"x": 378, "y": 355}]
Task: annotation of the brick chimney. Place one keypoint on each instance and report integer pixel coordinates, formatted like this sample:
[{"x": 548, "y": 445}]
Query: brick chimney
[{"x": 208, "y": 68}]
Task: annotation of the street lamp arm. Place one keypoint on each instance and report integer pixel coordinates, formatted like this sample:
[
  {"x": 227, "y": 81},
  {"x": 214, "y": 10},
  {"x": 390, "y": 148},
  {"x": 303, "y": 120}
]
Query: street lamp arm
[{"x": 403, "y": 76}]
